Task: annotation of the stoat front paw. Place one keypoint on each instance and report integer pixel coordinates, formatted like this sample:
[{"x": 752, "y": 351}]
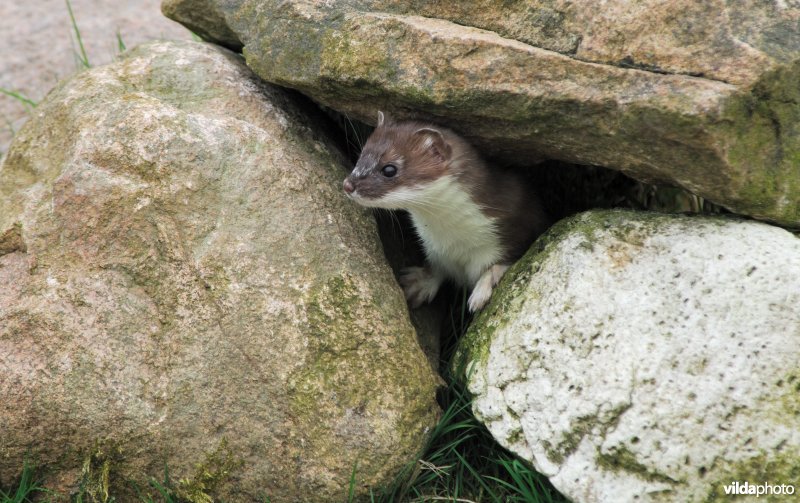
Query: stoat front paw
[
  {"x": 419, "y": 284},
  {"x": 482, "y": 291},
  {"x": 479, "y": 298}
]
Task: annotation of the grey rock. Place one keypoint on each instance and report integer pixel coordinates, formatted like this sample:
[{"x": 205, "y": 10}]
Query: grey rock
[
  {"x": 185, "y": 284},
  {"x": 646, "y": 357},
  {"x": 703, "y": 96}
]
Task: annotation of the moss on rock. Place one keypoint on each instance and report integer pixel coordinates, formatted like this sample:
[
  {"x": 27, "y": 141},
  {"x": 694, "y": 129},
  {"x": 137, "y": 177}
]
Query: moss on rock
[
  {"x": 720, "y": 120},
  {"x": 195, "y": 274},
  {"x": 218, "y": 466},
  {"x": 612, "y": 356}
]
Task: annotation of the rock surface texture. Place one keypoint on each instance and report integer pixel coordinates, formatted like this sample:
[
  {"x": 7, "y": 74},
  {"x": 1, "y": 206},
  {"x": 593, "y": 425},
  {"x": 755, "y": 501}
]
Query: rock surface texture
[
  {"x": 184, "y": 284},
  {"x": 704, "y": 95},
  {"x": 39, "y": 46},
  {"x": 635, "y": 357}
]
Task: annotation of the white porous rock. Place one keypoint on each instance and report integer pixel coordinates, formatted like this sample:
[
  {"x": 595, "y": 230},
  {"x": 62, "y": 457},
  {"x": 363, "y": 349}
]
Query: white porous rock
[{"x": 646, "y": 357}]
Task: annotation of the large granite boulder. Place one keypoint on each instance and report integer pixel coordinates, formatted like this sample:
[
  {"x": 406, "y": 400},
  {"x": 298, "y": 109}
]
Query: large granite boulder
[
  {"x": 642, "y": 357},
  {"x": 185, "y": 285},
  {"x": 703, "y": 95}
]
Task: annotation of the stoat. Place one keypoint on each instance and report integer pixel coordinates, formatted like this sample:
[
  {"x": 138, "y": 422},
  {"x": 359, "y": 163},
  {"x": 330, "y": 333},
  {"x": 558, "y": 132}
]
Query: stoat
[{"x": 474, "y": 222}]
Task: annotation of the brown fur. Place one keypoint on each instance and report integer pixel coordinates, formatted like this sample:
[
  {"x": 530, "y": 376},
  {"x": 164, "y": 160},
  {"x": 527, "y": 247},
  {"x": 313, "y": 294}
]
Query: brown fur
[
  {"x": 399, "y": 145},
  {"x": 502, "y": 194}
]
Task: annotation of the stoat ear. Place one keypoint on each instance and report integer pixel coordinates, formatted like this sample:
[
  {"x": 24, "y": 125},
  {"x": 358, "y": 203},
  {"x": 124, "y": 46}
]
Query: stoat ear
[
  {"x": 381, "y": 119},
  {"x": 432, "y": 139}
]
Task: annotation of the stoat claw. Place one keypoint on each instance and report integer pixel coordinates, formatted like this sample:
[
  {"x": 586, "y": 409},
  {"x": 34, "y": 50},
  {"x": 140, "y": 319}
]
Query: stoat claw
[
  {"x": 420, "y": 285},
  {"x": 482, "y": 291}
]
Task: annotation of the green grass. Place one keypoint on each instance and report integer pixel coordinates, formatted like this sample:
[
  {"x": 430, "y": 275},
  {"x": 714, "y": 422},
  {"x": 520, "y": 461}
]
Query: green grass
[
  {"x": 462, "y": 462},
  {"x": 121, "y": 47},
  {"x": 82, "y": 58},
  {"x": 28, "y": 490},
  {"x": 164, "y": 491},
  {"x": 351, "y": 489},
  {"x": 27, "y": 487},
  {"x": 26, "y": 102}
]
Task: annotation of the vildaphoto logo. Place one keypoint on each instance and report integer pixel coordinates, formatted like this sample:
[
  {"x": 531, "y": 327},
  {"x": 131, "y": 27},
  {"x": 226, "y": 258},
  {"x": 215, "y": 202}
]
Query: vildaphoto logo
[{"x": 739, "y": 488}]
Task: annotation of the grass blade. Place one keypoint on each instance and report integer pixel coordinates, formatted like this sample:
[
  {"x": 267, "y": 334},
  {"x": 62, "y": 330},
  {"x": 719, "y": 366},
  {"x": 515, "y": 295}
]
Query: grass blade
[
  {"x": 121, "y": 47},
  {"x": 26, "y": 102},
  {"x": 477, "y": 476},
  {"x": 351, "y": 493},
  {"x": 27, "y": 487},
  {"x": 82, "y": 57}
]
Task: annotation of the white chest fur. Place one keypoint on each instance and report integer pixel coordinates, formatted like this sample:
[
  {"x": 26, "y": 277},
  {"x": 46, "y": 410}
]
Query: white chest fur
[{"x": 458, "y": 238}]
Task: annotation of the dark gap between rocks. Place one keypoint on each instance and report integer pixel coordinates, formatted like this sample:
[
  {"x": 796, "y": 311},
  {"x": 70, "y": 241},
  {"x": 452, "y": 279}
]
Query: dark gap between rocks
[{"x": 565, "y": 189}]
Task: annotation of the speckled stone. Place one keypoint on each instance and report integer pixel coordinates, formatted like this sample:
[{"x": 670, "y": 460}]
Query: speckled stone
[
  {"x": 701, "y": 95},
  {"x": 185, "y": 284},
  {"x": 39, "y": 46},
  {"x": 646, "y": 357}
]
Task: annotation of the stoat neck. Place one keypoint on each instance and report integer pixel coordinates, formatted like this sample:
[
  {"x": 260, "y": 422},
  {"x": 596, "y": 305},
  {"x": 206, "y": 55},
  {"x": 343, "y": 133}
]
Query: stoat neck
[{"x": 456, "y": 234}]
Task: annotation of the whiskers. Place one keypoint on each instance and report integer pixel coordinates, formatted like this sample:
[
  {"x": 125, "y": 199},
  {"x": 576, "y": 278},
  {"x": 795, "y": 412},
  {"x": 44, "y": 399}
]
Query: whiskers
[
  {"x": 395, "y": 225},
  {"x": 354, "y": 135}
]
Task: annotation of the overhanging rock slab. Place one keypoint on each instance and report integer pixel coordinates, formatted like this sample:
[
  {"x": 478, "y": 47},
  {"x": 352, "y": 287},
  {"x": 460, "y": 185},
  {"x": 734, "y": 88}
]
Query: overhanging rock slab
[{"x": 705, "y": 98}]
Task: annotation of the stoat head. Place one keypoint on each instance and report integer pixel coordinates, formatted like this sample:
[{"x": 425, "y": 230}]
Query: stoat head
[{"x": 397, "y": 162}]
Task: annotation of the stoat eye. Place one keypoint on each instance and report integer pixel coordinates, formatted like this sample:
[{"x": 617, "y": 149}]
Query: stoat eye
[{"x": 389, "y": 170}]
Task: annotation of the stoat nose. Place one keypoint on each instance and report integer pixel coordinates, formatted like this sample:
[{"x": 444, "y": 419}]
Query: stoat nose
[{"x": 348, "y": 186}]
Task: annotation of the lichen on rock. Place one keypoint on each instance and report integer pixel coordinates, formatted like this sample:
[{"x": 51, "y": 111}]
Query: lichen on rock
[
  {"x": 182, "y": 272},
  {"x": 704, "y": 98},
  {"x": 638, "y": 355}
]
